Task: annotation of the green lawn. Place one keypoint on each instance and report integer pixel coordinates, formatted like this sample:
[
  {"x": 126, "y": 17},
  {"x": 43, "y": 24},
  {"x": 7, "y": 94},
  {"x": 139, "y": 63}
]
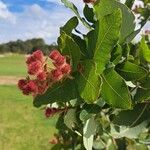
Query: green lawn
[
  {"x": 22, "y": 127},
  {"x": 12, "y": 65}
]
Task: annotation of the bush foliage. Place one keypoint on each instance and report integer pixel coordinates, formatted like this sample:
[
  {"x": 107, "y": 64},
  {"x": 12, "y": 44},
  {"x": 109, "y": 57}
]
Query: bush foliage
[{"x": 105, "y": 102}]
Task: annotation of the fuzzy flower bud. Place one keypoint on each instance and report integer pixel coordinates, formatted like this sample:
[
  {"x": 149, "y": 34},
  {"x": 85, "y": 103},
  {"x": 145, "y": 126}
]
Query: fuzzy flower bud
[
  {"x": 30, "y": 59},
  {"x": 66, "y": 69},
  {"x": 60, "y": 61},
  {"x": 34, "y": 68},
  {"x": 54, "y": 55},
  {"x": 50, "y": 112},
  {"x": 42, "y": 87},
  {"x": 31, "y": 86},
  {"x": 21, "y": 84},
  {"x": 42, "y": 76},
  {"x": 56, "y": 74},
  {"x": 38, "y": 55},
  {"x": 28, "y": 87}
]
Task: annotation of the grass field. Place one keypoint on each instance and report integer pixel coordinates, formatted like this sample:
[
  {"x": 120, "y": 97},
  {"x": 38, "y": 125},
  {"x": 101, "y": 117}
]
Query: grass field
[
  {"x": 12, "y": 65},
  {"x": 22, "y": 127}
]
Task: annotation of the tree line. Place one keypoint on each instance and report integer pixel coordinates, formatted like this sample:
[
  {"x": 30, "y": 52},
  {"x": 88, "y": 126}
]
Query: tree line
[{"x": 26, "y": 47}]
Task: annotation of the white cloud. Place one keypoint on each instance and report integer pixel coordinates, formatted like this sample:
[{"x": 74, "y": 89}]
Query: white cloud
[
  {"x": 78, "y": 3},
  {"x": 5, "y": 14},
  {"x": 35, "y": 21}
]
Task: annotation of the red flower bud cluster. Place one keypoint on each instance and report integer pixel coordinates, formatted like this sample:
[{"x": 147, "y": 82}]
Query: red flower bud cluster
[
  {"x": 50, "y": 112},
  {"x": 40, "y": 75},
  {"x": 62, "y": 67}
]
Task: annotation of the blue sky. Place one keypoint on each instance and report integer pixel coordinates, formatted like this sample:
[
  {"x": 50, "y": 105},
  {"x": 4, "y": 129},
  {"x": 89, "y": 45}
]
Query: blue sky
[{"x": 25, "y": 19}]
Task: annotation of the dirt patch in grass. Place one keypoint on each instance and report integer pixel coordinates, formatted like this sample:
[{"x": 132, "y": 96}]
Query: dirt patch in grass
[{"x": 9, "y": 80}]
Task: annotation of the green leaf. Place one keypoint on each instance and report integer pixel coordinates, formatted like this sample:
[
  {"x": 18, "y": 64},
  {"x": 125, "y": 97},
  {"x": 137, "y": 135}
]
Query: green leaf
[
  {"x": 139, "y": 114},
  {"x": 130, "y": 71},
  {"x": 145, "y": 84},
  {"x": 129, "y": 3},
  {"x": 88, "y": 13},
  {"x": 88, "y": 82},
  {"x": 91, "y": 39},
  {"x": 68, "y": 46},
  {"x": 70, "y": 118},
  {"x": 144, "y": 50},
  {"x": 70, "y": 25},
  {"x": 88, "y": 110},
  {"x": 105, "y": 7},
  {"x": 115, "y": 91},
  {"x": 108, "y": 33},
  {"x": 131, "y": 133},
  {"x": 60, "y": 92},
  {"x": 81, "y": 43},
  {"x": 88, "y": 133},
  {"x": 75, "y": 10},
  {"x": 132, "y": 36},
  {"x": 142, "y": 95},
  {"x": 116, "y": 54}
]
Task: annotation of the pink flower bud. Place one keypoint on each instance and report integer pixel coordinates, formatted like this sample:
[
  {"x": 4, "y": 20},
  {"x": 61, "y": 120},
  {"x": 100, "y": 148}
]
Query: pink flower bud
[
  {"x": 60, "y": 61},
  {"x": 34, "y": 68},
  {"x": 38, "y": 55},
  {"x": 31, "y": 86},
  {"x": 21, "y": 84},
  {"x": 56, "y": 74},
  {"x": 30, "y": 59},
  {"x": 42, "y": 87},
  {"x": 42, "y": 76},
  {"x": 54, "y": 55},
  {"x": 66, "y": 69},
  {"x": 49, "y": 112}
]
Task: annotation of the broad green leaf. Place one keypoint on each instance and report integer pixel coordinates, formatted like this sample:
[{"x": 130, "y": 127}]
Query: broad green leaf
[
  {"x": 132, "y": 36},
  {"x": 99, "y": 144},
  {"x": 105, "y": 7},
  {"x": 131, "y": 133},
  {"x": 70, "y": 118},
  {"x": 145, "y": 84},
  {"x": 129, "y": 3},
  {"x": 88, "y": 13},
  {"x": 69, "y": 47},
  {"x": 70, "y": 25},
  {"x": 115, "y": 91},
  {"x": 89, "y": 131},
  {"x": 139, "y": 114},
  {"x": 82, "y": 44},
  {"x": 70, "y": 5},
  {"x": 116, "y": 54},
  {"x": 108, "y": 33},
  {"x": 142, "y": 95},
  {"x": 111, "y": 145},
  {"x": 88, "y": 82},
  {"x": 88, "y": 110},
  {"x": 91, "y": 39},
  {"x": 130, "y": 71},
  {"x": 60, "y": 92},
  {"x": 144, "y": 50}
]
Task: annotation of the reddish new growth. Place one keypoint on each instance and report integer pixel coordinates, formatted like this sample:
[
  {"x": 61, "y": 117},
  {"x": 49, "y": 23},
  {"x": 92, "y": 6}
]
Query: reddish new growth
[
  {"x": 50, "y": 111},
  {"x": 40, "y": 75},
  {"x": 89, "y": 1}
]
